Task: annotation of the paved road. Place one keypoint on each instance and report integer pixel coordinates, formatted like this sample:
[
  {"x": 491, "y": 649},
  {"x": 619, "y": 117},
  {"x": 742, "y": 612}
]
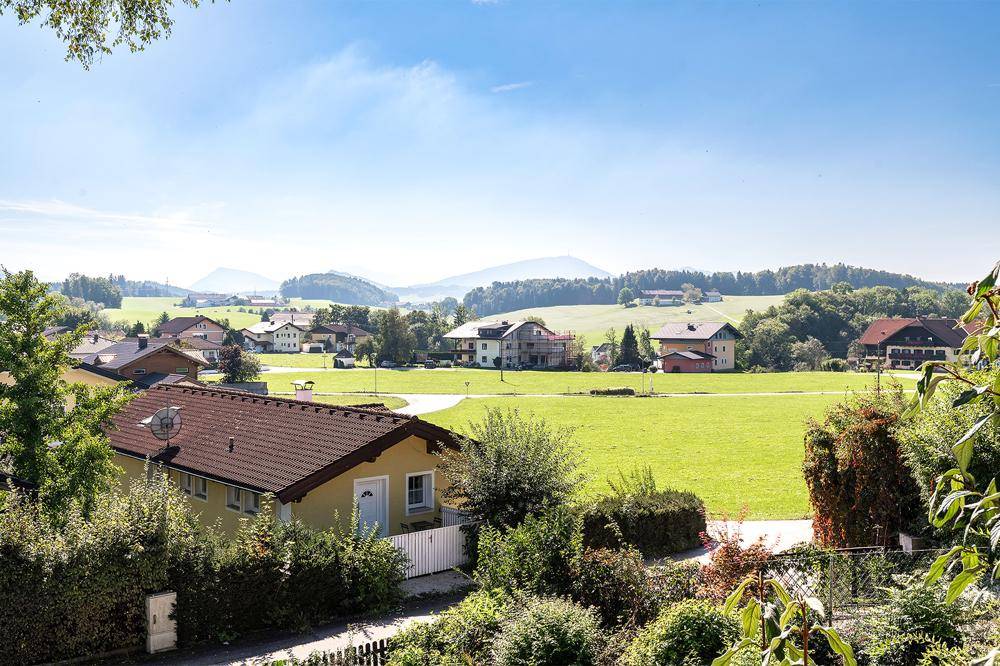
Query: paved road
[{"x": 778, "y": 535}]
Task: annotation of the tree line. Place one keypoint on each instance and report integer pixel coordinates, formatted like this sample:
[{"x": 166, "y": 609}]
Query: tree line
[
  {"x": 811, "y": 326},
  {"x": 521, "y": 294}
]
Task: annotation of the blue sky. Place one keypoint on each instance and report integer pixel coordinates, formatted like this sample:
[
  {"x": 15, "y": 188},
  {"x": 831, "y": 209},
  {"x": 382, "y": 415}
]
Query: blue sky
[{"x": 407, "y": 141}]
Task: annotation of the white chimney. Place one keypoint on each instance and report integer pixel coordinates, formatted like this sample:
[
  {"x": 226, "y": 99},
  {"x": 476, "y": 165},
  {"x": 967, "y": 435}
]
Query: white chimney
[{"x": 303, "y": 389}]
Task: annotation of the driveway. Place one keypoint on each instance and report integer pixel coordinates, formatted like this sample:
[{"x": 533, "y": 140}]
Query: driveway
[{"x": 778, "y": 535}]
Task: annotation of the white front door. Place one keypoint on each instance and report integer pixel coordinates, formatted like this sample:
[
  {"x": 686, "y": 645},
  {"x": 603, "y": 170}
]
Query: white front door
[{"x": 372, "y": 506}]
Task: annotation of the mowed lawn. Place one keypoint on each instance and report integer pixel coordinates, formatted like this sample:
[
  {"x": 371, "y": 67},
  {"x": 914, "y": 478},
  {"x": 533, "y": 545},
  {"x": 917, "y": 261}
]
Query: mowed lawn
[
  {"x": 592, "y": 321},
  {"x": 487, "y": 382},
  {"x": 731, "y": 451},
  {"x": 147, "y": 308}
]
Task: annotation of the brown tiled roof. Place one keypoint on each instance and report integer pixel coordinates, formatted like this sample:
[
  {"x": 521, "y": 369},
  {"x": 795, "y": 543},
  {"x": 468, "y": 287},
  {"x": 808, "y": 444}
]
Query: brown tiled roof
[
  {"x": 181, "y": 324},
  {"x": 881, "y": 330},
  {"x": 124, "y": 352},
  {"x": 198, "y": 343},
  {"x": 283, "y": 446},
  {"x": 339, "y": 328},
  {"x": 694, "y": 330},
  {"x": 690, "y": 354}
]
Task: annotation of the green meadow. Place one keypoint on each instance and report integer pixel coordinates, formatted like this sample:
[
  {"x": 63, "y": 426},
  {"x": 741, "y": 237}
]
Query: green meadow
[
  {"x": 591, "y": 321},
  {"x": 487, "y": 382},
  {"x": 731, "y": 451}
]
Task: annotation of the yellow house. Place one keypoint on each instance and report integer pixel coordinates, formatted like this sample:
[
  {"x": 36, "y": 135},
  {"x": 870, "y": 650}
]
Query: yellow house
[{"x": 316, "y": 459}]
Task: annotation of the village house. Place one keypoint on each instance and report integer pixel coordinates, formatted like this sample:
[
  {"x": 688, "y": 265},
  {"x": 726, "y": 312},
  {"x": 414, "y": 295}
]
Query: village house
[
  {"x": 146, "y": 361},
  {"x": 697, "y": 346},
  {"x": 207, "y": 348},
  {"x": 316, "y": 460},
  {"x": 519, "y": 343},
  {"x": 660, "y": 297},
  {"x": 198, "y": 326},
  {"x": 274, "y": 336},
  {"x": 338, "y": 337},
  {"x": 301, "y": 319},
  {"x": 202, "y": 300},
  {"x": 711, "y": 296},
  {"x": 905, "y": 343},
  {"x": 601, "y": 354},
  {"x": 91, "y": 343}
]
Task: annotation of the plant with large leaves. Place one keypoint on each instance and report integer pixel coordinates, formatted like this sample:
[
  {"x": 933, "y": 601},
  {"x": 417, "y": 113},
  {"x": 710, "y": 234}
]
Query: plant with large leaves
[
  {"x": 960, "y": 501},
  {"x": 780, "y": 626}
]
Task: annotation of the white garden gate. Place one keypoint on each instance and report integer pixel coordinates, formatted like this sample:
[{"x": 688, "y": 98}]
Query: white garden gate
[{"x": 431, "y": 551}]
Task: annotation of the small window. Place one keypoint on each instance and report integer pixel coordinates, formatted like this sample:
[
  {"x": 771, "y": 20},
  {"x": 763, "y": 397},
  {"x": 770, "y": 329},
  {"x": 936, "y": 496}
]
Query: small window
[
  {"x": 186, "y": 483},
  {"x": 484, "y": 359},
  {"x": 139, "y": 371},
  {"x": 195, "y": 486},
  {"x": 484, "y": 346},
  {"x": 419, "y": 492},
  {"x": 181, "y": 371},
  {"x": 234, "y": 498},
  {"x": 252, "y": 502}
]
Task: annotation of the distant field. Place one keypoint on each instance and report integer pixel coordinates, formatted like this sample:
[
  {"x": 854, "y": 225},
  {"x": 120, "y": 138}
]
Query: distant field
[
  {"x": 487, "y": 382},
  {"x": 731, "y": 451},
  {"x": 147, "y": 308},
  {"x": 592, "y": 321},
  {"x": 390, "y": 401}
]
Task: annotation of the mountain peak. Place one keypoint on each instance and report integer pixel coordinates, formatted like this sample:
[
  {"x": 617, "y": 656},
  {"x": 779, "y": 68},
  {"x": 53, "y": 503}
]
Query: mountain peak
[{"x": 233, "y": 280}]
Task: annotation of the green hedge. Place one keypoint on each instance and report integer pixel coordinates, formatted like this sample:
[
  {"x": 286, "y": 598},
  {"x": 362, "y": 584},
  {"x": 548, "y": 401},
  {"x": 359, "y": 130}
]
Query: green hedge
[
  {"x": 658, "y": 523},
  {"x": 619, "y": 390},
  {"x": 80, "y": 590}
]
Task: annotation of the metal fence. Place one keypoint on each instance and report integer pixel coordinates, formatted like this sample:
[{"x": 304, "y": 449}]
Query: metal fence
[{"x": 847, "y": 579}]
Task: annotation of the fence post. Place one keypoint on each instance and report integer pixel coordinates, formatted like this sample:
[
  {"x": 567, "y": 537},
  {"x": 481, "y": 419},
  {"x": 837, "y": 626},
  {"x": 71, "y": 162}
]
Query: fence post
[{"x": 829, "y": 578}]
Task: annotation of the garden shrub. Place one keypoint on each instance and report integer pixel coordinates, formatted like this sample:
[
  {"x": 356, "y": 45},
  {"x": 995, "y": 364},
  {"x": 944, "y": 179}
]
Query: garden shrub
[
  {"x": 928, "y": 437},
  {"x": 855, "y": 471},
  {"x": 730, "y": 563},
  {"x": 549, "y": 631},
  {"x": 691, "y": 632},
  {"x": 615, "y": 584},
  {"x": 901, "y": 650},
  {"x": 917, "y": 609},
  {"x": 537, "y": 556},
  {"x": 80, "y": 589},
  {"x": 940, "y": 655},
  {"x": 675, "y": 581},
  {"x": 617, "y": 390},
  {"x": 833, "y": 365},
  {"x": 659, "y": 523},
  {"x": 463, "y": 632}
]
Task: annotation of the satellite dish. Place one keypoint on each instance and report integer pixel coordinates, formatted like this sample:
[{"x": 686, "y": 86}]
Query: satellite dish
[{"x": 165, "y": 423}]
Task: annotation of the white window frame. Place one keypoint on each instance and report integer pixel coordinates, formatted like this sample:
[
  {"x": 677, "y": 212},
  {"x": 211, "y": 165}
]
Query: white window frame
[
  {"x": 428, "y": 504},
  {"x": 194, "y": 486},
  {"x": 251, "y": 505},
  {"x": 237, "y": 493}
]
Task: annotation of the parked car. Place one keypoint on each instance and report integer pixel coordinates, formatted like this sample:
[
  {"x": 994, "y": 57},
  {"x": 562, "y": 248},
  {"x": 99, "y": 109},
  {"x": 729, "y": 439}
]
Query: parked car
[
  {"x": 525, "y": 366},
  {"x": 387, "y": 364},
  {"x": 430, "y": 364},
  {"x": 624, "y": 367}
]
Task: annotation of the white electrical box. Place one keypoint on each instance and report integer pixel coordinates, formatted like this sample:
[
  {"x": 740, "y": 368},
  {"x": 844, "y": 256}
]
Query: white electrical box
[{"x": 161, "y": 629}]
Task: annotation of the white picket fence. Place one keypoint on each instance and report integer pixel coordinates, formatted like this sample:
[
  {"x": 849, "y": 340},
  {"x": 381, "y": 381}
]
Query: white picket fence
[{"x": 431, "y": 551}]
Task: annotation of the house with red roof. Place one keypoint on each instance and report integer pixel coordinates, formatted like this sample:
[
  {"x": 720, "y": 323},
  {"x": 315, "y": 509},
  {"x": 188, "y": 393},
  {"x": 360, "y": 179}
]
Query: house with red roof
[{"x": 905, "y": 343}]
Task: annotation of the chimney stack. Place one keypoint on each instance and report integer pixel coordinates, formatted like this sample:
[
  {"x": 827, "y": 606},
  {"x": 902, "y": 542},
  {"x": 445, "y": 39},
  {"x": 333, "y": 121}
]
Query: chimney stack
[
  {"x": 232, "y": 443},
  {"x": 303, "y": 390},
  {"x": 95, "y": 338},
  {"x": 143, "y": 341}
]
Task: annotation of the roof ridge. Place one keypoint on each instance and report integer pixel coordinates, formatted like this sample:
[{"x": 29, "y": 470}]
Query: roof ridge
[{"x": 208, "y": 388}]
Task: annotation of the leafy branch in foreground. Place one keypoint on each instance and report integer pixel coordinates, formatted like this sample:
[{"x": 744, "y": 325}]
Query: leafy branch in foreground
[
  {"x": 86, "y": 26},
  {"x": 782, "y": 628},
  {"x": 958, "y": 501}
]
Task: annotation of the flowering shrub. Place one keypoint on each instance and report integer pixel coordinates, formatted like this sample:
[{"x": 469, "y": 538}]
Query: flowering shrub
[{"x": 730, "y": 563}]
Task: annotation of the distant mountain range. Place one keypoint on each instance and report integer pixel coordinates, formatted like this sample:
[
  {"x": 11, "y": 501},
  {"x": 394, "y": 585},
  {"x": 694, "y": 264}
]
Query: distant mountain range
[
  {"x": 235, "y": 281},
  {"x": 458, "y": 285}
]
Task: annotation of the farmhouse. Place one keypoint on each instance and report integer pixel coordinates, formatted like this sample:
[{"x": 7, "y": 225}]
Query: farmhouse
[
  {"x": 519, "y": 343},
  {"x": 201, "y": 300},
  {"x": 907, "y": 342},
  {"x": 660, "y": 297},
  {"x": 182, "y": 328},
  {"x": 274, "y": 336},
  {"x": 302, "y": 319},
  {"x": 713, "y": 341},
  {"x": 316, "y": 459},
  {"x": 601, "y": 354},
  {"x": 147, "y": 361},
  {"x": 337, "y": 337},
  {"x": 712, "y": 296}
]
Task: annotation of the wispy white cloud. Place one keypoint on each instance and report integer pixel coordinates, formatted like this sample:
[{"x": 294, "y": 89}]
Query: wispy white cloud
[
  {"x": 56, "y": 210},
  {"x": 507, "y": 87}
]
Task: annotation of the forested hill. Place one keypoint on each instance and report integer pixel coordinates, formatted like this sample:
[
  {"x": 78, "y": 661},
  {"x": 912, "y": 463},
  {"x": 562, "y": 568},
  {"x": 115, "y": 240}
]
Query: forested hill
[
  {"x": 337, "y": 287},
  {"x": 520, "y": 294}
]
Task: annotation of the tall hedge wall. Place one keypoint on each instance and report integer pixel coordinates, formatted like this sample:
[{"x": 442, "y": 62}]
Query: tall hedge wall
[
  {"x": 657, "y": 523},
  {"x": 80, "y": 590}
]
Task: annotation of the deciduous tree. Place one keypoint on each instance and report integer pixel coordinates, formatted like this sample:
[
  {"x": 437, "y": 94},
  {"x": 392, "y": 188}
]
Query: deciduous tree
[{"x": 52, "y": 430}]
